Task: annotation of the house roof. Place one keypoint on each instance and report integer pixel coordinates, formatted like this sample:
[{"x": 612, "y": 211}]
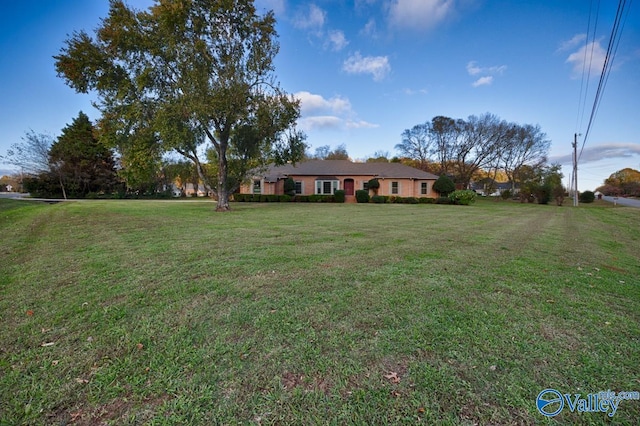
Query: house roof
[
  {"x": 483, "y": 183},
  {"x": 336, "y": 168}
]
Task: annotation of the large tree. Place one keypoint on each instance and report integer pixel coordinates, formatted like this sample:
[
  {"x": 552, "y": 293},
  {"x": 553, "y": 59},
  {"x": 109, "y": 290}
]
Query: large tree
[
  {"x": 417, "y": 144},
  {"x": 480, "y": 141},
  {"x": 80, "y": 161},
  {"x": 526, "y": 145},
  {"x": 184, "y": 73}
]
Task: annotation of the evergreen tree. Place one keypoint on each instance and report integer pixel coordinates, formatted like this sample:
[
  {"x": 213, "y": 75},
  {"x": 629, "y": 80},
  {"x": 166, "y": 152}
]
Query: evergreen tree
[{"x": 80, "y": 162}]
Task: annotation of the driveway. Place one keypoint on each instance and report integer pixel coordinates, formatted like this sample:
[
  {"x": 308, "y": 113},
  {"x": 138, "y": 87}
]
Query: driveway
[
  {"x": 12, "y": 195},
  {"x": 630, "y": 202}
]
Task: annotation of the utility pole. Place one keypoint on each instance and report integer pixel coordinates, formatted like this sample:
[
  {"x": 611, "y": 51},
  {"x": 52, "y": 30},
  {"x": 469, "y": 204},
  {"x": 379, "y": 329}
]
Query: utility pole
[{"x": 575, "y": 170}]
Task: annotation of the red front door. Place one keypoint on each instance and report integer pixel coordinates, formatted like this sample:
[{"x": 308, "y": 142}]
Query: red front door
[{"x": 348, "y": 186}]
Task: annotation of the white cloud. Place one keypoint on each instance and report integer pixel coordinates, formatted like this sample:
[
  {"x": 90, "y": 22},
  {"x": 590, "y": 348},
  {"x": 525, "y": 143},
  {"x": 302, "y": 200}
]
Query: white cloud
[
  {"x": 370, "y": 29},
  {"x": 310, "y": 103},
  {"x": 589, "y": 58},
  {"x": 337, "y": 40},
  {"x": 487, "y": 73},
  {"x": 574, "y": 42},
  {"x": 320, "y": 122},
  {"x": 377, "y": 66},
  {"x": 474, "y": 69},
  {"x": 419, "y": 14},
  {"x": 483, "y": 81},
  {"x": 312, "y": 18},
  {"x": 319, "y": 113},
  {"x": 412, "y": 92},
  {"x": 360, "y": 124},
  {"x": 601, "y": 152}
]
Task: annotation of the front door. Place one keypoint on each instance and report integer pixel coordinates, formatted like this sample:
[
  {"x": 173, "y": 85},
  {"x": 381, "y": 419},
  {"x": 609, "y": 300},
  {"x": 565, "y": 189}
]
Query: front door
[{"x": 348, "y": 186}]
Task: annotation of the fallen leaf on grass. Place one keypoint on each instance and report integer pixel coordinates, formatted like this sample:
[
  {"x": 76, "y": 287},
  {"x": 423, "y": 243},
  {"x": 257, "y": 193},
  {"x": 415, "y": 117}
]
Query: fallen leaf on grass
[
  {"x": 55, "y": 362},
  {"x": 44, "y": 345},
  {"x": 140, "y": 346},
  {"x": 392, "y": 377},
  {"x": 29, "y": 313},
  {"x": 493, "y": 368},
  {"x": 81, "y": 380}
]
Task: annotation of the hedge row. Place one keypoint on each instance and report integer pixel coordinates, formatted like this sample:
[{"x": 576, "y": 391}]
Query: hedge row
[
  {"x": 260, "y": 198},
  {"x": 392, "y": 199},
  {"x": 338, "y": 197}
]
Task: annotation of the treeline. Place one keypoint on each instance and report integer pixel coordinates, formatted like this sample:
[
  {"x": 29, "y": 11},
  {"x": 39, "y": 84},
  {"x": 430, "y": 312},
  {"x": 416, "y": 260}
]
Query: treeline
[
  {"x": 461, "y": 148},
  {"x": 72, "y": 166},
  {"x": 623, "y": 183},
  {"x": 78, "y": 165}
]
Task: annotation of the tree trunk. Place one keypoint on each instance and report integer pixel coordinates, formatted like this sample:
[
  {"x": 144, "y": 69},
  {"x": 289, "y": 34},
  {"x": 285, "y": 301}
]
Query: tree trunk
[{"x": 223, "y": 192}]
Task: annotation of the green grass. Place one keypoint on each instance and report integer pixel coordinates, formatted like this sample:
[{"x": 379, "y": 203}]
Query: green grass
[{"x": 132, "y": 312}]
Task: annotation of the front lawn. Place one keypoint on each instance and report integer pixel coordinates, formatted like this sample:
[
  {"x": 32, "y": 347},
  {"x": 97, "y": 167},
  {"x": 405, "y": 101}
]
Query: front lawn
[{"x": 152, "y": 312}]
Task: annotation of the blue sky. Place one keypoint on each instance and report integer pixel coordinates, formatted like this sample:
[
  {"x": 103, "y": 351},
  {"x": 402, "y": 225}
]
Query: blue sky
[{"x": 365, "y": 70}]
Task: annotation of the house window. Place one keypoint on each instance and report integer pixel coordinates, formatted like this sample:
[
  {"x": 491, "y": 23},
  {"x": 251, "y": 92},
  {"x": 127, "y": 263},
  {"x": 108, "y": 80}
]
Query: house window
[
  {"x": 423, "y": 188},
  {"x": 394, "y": 187},
  {"x": 298, "y": 187},
  {"x": 326, "y": 187},
  {"x": 365, "y": 185},
  {"x": 257, "y": 187}
]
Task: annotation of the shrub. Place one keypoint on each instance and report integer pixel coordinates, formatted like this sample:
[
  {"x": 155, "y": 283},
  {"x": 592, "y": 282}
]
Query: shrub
[
  {"x": 339, "y": 196},
  {"x": 543, "y": 194},
  {"x": 443, "y": 200},
  {"x": 410, "y": 200},
  {"x": 379, "y": 199},
  {"x": 318, "y": 198},
  {"x": 426, "y": 200},
  {"x": 289, "y": 186},
  {"x": 301, "y": 199},
  {"x": 373, "y": 184},
  {"x": 362, "y": 196},
  {"x": 463, "y": 197},
  {"x": 444, "y": 186},
  {"x": 506, "y": 194},
  {"x": 284, "y": 198},
  {"x": 587, "y": 197}
]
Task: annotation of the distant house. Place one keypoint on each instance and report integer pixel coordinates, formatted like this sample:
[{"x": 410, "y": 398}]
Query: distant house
[
  {"x": 490, "y": 188},
  {"x": 324, "y": 177},
  {"x": 189, "y": 190}
]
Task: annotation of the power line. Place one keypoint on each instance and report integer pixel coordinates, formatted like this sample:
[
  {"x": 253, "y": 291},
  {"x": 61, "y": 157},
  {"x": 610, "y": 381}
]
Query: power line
[
  {"x": 584, "y": 82},
  {"x": 612, "y": 48}
]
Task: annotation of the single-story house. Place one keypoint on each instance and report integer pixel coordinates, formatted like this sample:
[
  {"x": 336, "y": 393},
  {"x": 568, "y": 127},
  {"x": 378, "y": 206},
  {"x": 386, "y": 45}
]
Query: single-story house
[
  {"x": 324, "y": 177},
  {"x": 492, "y": 188}
]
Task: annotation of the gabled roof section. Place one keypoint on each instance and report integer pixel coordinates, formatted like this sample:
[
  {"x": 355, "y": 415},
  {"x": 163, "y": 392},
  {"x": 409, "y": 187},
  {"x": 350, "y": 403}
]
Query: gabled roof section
[{"x": 346, "y": 168}]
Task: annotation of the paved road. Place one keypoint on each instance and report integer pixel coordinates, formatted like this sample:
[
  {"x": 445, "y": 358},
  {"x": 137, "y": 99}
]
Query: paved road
[
  {"x": 11, "y": 195},
  {"x": 631, "y": 202}
]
